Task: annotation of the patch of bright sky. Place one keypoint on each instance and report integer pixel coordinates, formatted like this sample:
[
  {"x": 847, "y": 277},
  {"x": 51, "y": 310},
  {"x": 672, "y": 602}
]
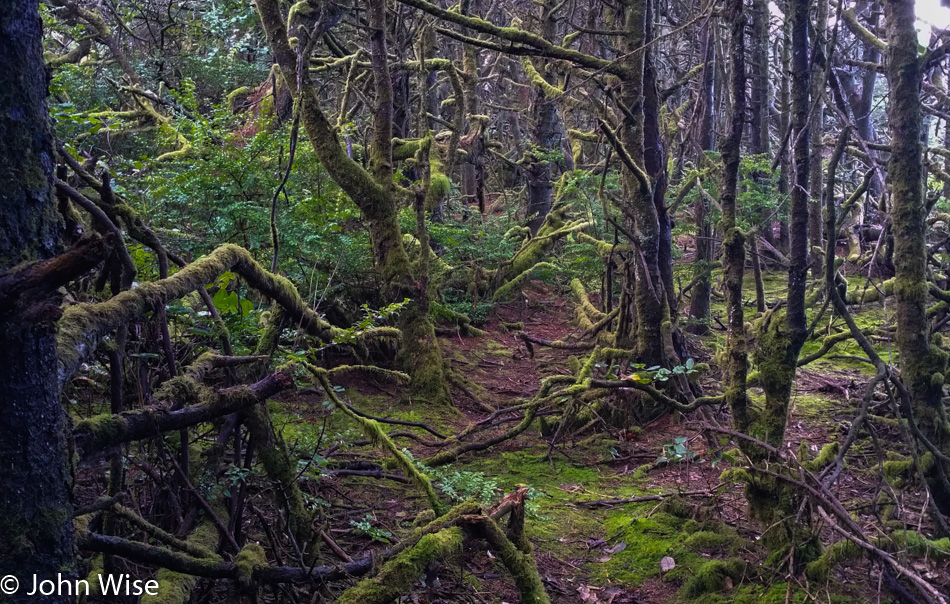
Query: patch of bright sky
[{"x": 930, "y": 14}]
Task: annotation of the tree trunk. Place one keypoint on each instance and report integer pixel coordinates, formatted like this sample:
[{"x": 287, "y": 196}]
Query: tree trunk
[
  {"x": 783, "y": 330},
  {"x": 699, "y": 303},
  {"x": 35, "y": 479},
  {"x": 737, "y": 364},
  {"x": 785, "y": 104},
  {"x": 646, "y": 307},
  {"x": 922, "y": 363},
  {"x": 784, "y": 334},
  {"x": 374, "y": 194},
  {"x": 815, "y": 173},
  {"x": 759, "y": 102},
  {"x": 547, "y": 135},
  {"x": 654, "y": 160}
]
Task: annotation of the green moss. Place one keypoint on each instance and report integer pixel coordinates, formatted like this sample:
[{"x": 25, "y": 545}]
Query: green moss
[
  {"x": 712, "y": 577},
  {"x": 753, "y": 593},
  {"x": 812, "y": 406},
  {"x": 916, "y": 544},
  {"x": 397, "y": 576},
  {"x": 92, "y": 577},
  {"x": 247, "y": 560},
  {"x": 898, "y": 465},
  {"x": 691, "y": 526},
  {"x": 820, "y": 569},
  {"x": 183, "y": 391},
  {"x": 649, "y": 539},
  {"x": 518, "y": 280},
  {"x": 374, "y": 431},
  {"x": 642, "y": 471},
  {"x": 827, "y": 455},
  {"x": 103, "y": 429},
  {"x": 703, "y": 540},
  {"x": 176, "y": 588}
]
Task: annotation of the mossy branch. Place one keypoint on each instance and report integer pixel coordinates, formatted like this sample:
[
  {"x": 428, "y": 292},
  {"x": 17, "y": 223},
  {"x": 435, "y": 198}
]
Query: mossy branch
[
  {"x": 517, "y": 281},
  {"x": 102, "y": 431},
  {"x": 659, "y": 396},
  {"x": 84, "y": 325},
  {"x": 862, "y": 32},
  {"x": 520, "y": 564},
  {"x": 518, "y": 35},
  {"x": 378, "y": 436},
  {"x": 398, "y": 575}
]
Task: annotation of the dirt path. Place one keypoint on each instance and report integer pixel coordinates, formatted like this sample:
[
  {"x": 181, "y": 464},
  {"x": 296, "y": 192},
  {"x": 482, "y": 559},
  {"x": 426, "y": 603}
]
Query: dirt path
[{"x": 617, "y": 553}]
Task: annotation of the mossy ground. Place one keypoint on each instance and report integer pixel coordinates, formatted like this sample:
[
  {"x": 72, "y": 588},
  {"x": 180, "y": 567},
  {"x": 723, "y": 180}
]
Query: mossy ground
[
  {"x": 612, "y": 551},
  {"x": 616, "y": 548}
]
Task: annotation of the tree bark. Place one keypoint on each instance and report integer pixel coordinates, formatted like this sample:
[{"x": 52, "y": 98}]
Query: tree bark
[
  {"x": 699, "y": 302},
  {"x": 922, "y": 362},
  {"x": 815, "y": 173},
  {"x": 547, "y": 135},
  {"x": 733, "y": 239},
  {"x": 374, "y": 193},
  {"x": 642, "y": 321},
  {"x": 35, "y": 478}
]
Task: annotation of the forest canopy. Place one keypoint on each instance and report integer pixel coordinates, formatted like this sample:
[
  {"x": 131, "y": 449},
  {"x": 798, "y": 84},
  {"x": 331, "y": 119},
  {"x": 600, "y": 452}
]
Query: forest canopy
[{"x": 421, "y": 301}]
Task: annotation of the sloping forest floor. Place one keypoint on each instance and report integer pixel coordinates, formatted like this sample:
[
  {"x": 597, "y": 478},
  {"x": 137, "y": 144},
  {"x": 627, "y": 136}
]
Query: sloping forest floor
[
  {"x": 589, "y": 548},
  {"x": 687, "y": 538}
]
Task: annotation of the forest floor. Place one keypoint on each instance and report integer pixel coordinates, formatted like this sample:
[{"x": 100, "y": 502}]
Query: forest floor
[{"x": 610, "y": 552}]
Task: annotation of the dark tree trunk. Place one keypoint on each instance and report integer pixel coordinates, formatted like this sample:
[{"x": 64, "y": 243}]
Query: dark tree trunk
[
  {"x": 815, "y": 173},
  {"x": 35, "y": 479},
  {"x": 862, "y": 113},
  {"x": 759, "y": 88},
  {"x": 922, "y": 363},
  {"x": 759, "y": 100},
  {"x": 645, "y": 300},
  {"x": 547, "y": 135},
  {"x": 785, "y": 104},
  {"x": 654, "y": 160},
  {"x": 737, "y": 364},
  {"x": 699, "y": 303},
  {"x": 784, "y": 334}
]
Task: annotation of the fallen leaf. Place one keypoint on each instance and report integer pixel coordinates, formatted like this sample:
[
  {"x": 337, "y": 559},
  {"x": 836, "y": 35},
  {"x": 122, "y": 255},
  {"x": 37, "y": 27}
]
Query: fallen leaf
[
  {"x": 586, "y": 595},
  {"x": 617, "y": 548}
]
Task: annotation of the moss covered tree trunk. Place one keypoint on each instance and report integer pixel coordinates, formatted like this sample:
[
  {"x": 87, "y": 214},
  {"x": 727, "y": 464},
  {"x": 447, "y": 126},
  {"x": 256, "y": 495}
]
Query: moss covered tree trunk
[
  {"x": 816, "y": 130},
  {"x": 654, "y": 160},
  {"x": 922, "y": 362},
  {"x": 733, "y": 259},
  {"x": 374, "y": 193},
  {"x": 646, "y": 309},
  {"x": 783, "y": 333},
  {"x": 699, "y": 302},
  {"x": 547, "y": 134},
  {"x": 35, "y": 480}
]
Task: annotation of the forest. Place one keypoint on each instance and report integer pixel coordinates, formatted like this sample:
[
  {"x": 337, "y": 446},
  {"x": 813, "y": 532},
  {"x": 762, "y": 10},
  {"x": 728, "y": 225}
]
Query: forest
[{"x": 488, "y": 301}]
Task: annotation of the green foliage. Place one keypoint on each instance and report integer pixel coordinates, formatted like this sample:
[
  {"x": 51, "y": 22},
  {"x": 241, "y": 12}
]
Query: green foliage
[
  {"x": 462, "y": 485},
  {"x": 677, "y": 451},
  {"x": 543, "y": 154},
  {"x": 661, "y": 375},
  {"x": 464, "y": 303},
  {"x": 365, "y": 527},
  {"x": 371, "y": 318},
  {"x": 758, "y": 196},
  {"x": 229, "y": 302}
]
